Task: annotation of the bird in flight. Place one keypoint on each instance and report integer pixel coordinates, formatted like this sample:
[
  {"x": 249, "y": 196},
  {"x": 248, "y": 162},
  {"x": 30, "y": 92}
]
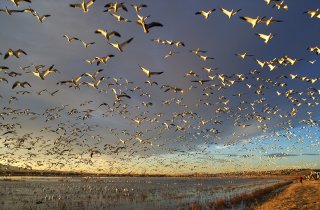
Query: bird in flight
[
  {"x": 244, "y": 55},
  {"x": 86, "y": 45},
  {"x": 119, "y": 18},
  {"x": 204, "y": 57},
  {"x": 40, "y": 18},
  {"x": 70, "y": 39},
  {"x": 94, "y": 75},
  {"x": 15, "y": 53},
  {"x": 313, "y": 13},
  {"x": 95, "y": 84},
  {"x": 150, "y": 73},
  {"x": 115, "y": 7},
  {"x": 145, "y": 26},
  {"x": 21, "y": 84},
  {"x": 74, "y": 81},
  {"x": 84, "y": 5},
  {"x": 139, "y": 7},
  {"x": 11, "y": 11},
  {"x": 119, "y": 96},
  {"x": 205, "y": 14},
  {"x": 265, "y": 37},
  {"x": 43, "y": 74},
  {"x": 270, "y": 20},
  {"x": 107, "y": 34},
  {"x": 17, "y": 2},
  {"x": 104, "y": 59},
  {"x": 229, "y": 13},
  {"x": 252, "y": 21},
  {"x": 121, "y": 45}
]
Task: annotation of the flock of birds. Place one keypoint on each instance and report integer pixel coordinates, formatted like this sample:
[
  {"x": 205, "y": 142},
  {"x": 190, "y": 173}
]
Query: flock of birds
[{"x": 75, "y": 139}]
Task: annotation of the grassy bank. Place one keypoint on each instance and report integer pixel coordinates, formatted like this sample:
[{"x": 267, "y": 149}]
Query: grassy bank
[{"x": 243, "y": 199}]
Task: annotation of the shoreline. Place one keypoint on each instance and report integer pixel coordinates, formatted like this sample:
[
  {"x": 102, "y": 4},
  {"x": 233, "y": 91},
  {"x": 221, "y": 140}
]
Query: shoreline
[
  {"x": 247, "y": 200},
  {"x": 295, "y": 196}
]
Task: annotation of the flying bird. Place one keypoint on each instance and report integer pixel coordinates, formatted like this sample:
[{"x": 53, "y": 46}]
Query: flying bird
[
  {"x": 95, "y": 84},
  {"x": 229, "y": 13},
  {"x": 137, "y": 8},
  {"x": 119, "y": 18},
  {"x": 74, "y": 81},
  {"x": 269, "y": 1},
  {"x": 103, "y": 59},
  {"x": 115, "y": 7},
  {"x": 120, "y": 46},
  {"x": 21, "y": 84},
  {"x": 84, "y": 5},
  {"x": 86, "y": 45},
  {"x": 119, "y": 96},
  {"x": 244, "y": 55},
  {"x": 265, "y": 37},
  {"x": 313, "y": 13},
  {"x": 43, "y": 74},
  {"x": 150, "y": 73},
  {"x": 205, "y": 14},
  {"x": 17, "y": 2},
  {"x": 270, "y": 20},
  {"x": 94, "y": 75},
  {"x": 204, "y": 57},
  {"x": 15, "y": 53},
  {"x": 107, "y": 34},
  {"x": 70, "y": 39},
  {"x": 11, "y": 11},
  {"x": 40, "y": 18},
  {"x": 252, "y": 21},
  {"x": 197, "y": 51},
  {"x": 169, "y": 54},
  {"x": 145, "y": 26},
  {"x": 201, "y": 82},
  {"x": 3, "y": 79}
]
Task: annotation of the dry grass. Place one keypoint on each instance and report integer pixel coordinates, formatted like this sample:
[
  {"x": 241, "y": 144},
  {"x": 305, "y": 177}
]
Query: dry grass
[
  {"x": 243, "y": 198},
  {"x": 297, "y": 196},
  {"x": 248, "y": 198}
]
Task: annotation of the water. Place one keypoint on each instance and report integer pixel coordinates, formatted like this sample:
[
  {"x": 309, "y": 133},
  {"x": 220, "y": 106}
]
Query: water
[{"x": 120, "y": 192}]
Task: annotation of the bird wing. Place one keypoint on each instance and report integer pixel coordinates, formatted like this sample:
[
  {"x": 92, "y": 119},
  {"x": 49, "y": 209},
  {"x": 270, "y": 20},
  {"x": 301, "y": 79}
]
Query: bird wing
[
  {"x": 47, "y": 71},
  {"x": 78, "y": 78},
  {"x": 76, "y": 5},
  {"x": 124, "y": 7},
  {"x": 154, "y": 24},
  {"x": 25, "y": 83},
  {"x": 6, "y": 55},
  {"x": 88, "y": 74},
  {"x": 146, "y": 71},
  {"x": 248, "y": 19},
  {"x": 115, "y": 34},
  {"x": 89, "y": 3},
  {"x": 15, "y": 84},
  {"x": 19, "y": 52},
  {"x": 225, "y": 11},
  {"x": 126, "y": 42},
  {"x": 100, "y": 31},
  {"x": 156, "y": 73}
]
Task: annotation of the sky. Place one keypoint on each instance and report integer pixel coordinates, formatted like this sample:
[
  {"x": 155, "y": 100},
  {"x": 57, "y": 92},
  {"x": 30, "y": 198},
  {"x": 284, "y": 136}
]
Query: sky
[{"x": 244, "y": 118}]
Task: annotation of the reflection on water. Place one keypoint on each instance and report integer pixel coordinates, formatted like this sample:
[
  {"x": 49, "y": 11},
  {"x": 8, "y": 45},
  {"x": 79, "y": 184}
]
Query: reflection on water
[{"x": 119, "y": 192}]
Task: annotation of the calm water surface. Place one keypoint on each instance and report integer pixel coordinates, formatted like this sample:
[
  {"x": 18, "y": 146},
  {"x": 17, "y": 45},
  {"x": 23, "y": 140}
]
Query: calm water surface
[{"x": 119, "y": 192}]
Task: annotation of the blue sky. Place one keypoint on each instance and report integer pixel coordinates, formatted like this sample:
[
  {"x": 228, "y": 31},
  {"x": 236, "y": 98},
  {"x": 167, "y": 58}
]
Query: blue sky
[{"x": 196, "y": 127}]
